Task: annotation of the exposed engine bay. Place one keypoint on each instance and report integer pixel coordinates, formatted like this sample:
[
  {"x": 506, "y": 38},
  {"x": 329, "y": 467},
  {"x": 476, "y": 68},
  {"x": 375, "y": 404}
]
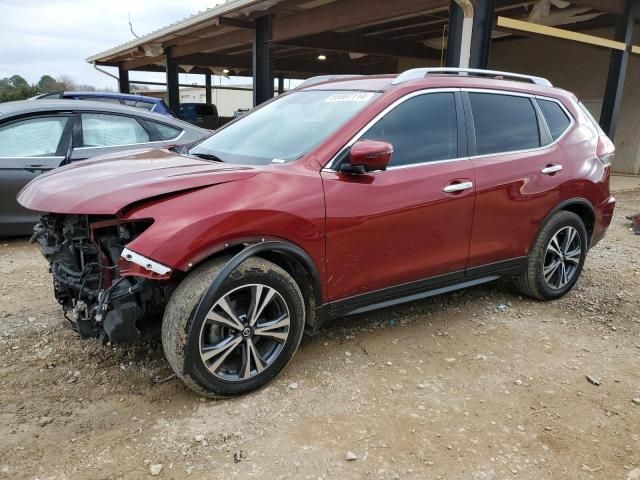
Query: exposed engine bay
[{"x": 90, "y": 281}]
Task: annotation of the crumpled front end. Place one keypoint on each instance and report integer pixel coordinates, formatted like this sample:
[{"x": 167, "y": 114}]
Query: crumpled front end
[{"x": 105, "y": 290}]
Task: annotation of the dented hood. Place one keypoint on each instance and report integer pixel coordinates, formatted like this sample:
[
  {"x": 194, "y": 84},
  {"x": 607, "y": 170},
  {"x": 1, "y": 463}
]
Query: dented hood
[{"x": 106, "y": 185}]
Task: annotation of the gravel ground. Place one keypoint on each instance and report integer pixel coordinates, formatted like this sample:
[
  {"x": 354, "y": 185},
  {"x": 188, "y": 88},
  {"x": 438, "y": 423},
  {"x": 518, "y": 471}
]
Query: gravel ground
[{"x": 482, "y": 384}]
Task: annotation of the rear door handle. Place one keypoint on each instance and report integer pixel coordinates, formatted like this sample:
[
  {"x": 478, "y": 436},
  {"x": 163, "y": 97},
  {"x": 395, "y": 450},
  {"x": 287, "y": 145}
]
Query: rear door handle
[
  {"x": 34, "y": 168},
  {"x": 457, "y": 187},
  {"x": 549, "y": 169}
]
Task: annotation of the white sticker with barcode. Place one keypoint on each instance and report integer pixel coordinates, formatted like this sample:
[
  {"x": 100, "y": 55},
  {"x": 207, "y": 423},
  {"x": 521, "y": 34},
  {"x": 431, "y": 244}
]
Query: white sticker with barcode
[{"x": 350, "y": 97}]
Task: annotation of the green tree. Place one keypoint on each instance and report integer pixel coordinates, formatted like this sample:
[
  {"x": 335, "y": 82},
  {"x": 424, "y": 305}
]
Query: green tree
[
  {"x": 16, "y": 88},
  {"x": 48, "y": 84}
]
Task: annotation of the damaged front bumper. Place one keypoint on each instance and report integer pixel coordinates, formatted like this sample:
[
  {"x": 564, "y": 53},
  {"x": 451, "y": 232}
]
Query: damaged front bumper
[{"x": 105, "y": 289}]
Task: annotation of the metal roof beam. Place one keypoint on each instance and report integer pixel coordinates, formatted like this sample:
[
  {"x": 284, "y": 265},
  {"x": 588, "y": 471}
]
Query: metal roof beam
[
  {"x": 349, "y": 42},
  {"x": 244, "y": 63}
]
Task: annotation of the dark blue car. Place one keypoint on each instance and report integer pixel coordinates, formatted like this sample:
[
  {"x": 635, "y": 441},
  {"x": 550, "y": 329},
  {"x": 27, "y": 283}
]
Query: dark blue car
[{"x": 151, "y": 104}]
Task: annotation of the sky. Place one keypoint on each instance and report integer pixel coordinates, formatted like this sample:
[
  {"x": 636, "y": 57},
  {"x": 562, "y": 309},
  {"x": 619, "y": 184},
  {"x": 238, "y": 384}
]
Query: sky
[{"x": 55, "y": 36}]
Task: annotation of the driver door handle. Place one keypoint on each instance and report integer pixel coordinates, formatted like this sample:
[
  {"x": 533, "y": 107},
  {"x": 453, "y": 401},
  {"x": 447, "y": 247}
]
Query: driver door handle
[
  {"x": 549, "y": 169},
  {"x": 457, "y": 187}
]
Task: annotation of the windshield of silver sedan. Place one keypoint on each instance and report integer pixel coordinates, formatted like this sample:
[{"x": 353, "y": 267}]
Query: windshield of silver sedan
[{"x": 284, "y": 129}]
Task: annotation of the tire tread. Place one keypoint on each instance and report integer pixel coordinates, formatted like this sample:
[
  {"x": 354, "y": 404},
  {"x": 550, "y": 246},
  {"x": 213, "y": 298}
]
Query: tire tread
[
  {"x": 182, "y": 304},
  {"x": 530, "y": 282}
]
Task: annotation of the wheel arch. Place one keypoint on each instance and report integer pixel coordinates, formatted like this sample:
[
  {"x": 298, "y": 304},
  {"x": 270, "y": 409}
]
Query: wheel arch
[
  {"x": 289, "y": 256},
  {"x": 581, "y": 207}
]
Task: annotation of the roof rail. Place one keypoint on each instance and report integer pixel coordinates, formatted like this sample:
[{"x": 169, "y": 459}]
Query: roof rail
[
  {"x": 424, "y": 72},
  {"x": 324, "y": 78}
]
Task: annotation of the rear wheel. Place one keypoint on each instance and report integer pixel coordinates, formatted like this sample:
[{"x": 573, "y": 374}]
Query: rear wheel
[
  {"x": 556, "y": 258},
  {"x": 250, "y": 332}
]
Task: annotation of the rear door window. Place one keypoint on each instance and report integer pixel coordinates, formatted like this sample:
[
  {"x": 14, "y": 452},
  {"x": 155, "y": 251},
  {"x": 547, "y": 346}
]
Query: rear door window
[
  {"x": 555, "y": 116},
  {"x": 105, "y": 130},
  {"x": 33, "y": 137},
  {"x": 421, "y": 129},
  {"x": 504, "y": 123}
]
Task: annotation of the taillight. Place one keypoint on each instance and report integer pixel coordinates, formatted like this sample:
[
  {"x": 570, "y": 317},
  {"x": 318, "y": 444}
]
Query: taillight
[
  {"x": 607, "y": 158},
  {"x": 606, "y": 150}
]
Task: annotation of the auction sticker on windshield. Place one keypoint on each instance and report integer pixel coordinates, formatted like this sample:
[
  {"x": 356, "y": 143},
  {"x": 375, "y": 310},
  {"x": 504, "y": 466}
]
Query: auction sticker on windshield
[{"x": 350, "y": 97}]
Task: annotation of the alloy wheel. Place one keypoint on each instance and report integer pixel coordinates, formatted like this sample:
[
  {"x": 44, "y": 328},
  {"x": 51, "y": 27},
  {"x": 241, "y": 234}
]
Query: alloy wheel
[
  {"x": 244, "y": 332},
  {"x": 562, "y": 258}
]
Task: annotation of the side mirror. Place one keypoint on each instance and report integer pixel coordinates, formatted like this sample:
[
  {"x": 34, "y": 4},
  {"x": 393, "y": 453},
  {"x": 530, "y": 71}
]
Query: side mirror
[{"x": 368, "y": 156}]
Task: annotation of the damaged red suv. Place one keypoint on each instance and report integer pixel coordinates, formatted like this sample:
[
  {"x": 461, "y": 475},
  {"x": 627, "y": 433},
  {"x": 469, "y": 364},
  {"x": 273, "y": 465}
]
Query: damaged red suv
[{"x": 339, "y": 197}]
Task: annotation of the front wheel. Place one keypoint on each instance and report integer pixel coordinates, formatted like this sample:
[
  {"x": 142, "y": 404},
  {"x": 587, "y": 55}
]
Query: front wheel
[
  {"x": 251, "y": 330},
  {"x": 556, "y": 258}
]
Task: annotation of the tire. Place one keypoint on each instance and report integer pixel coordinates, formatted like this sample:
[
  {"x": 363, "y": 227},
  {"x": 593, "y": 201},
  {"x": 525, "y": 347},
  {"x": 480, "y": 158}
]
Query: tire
[
  {"x": 267, "y": 348},
  {"x": 539, "y": 280}
]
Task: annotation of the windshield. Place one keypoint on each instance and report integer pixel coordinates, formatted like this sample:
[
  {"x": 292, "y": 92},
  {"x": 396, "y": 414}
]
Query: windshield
[{"x": 285, "y": 129}]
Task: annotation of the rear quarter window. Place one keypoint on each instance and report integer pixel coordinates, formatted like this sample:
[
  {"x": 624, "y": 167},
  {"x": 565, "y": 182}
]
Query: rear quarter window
[
  {"x": 504, "y": 123},
  {"x": 556, "y": 118},
  {"x": 590, "y": 116},
  {"x": 166, "y": 132}
]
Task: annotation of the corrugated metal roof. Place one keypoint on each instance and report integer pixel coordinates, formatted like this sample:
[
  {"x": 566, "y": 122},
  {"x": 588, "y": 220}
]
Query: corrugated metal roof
[{"x": 229, "y": 7}]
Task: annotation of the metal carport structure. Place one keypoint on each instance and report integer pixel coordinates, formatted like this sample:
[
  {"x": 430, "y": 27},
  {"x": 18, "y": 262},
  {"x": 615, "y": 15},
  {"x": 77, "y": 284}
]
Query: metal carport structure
[{"x": 269, "y": 39}]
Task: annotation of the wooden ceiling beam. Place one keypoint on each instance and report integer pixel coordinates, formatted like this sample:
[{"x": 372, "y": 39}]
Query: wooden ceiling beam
[
  {"x": 288, "y": 6},
  {"x": 141, "y": 62},
  {"x": 235, "y": 22},
  {"x": 527, "y": 28},
  {"x": 212, "y": 44},
  {"x": 349, "y": 42},
  {"x": 611, "y": 6},
  {"x": 156, "y": 68},
  {"x": 216, "y": 60},
  {"x": 345, "y": 14}
]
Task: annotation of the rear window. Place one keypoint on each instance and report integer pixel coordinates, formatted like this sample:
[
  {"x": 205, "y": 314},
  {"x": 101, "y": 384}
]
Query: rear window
[
  {"x": 206, "y": 109},
  {"x": 101, "y": 99},
  {"x": 592, "y": 118},
  {"x": 556, "y": 118},
  {"x": 504, "y": 123},
  {"x": 188, "y": 111},
  {"x": 145, "y": 105},
  {"x": 139, "y": 104}
]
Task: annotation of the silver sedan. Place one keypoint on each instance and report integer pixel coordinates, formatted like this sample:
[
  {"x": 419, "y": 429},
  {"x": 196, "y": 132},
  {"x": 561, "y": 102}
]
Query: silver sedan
[{"x": 36, "y": 137}]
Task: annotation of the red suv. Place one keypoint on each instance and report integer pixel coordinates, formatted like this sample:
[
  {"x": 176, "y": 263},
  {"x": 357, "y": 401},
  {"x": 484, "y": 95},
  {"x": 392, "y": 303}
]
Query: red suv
[{"x": 339, "y": 197}]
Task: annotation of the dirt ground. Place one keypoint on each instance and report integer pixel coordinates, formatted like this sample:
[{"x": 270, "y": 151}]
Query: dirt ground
[{"x": 479, "y": 385}]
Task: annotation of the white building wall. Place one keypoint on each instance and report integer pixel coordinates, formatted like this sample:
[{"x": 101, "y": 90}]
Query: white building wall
[{"x": 227, "y": 101}]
